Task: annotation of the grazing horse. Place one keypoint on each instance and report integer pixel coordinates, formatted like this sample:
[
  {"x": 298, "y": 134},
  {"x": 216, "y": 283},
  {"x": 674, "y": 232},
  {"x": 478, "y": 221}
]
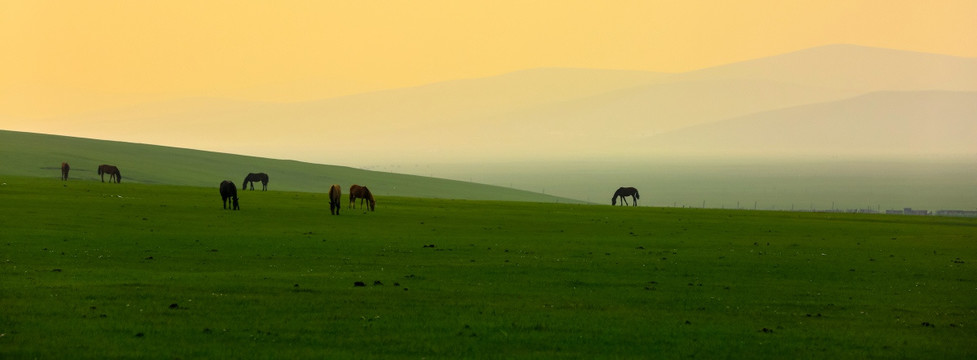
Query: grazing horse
[
  {"x": 362, "y": 193},
  {"x": 252, "y": 177},
  {"x": 113, "y": 172},
  {"x": 335, "y": 192},
  {"x": 626, "y": 191},
  {"x": 64, "y": 171},
  {"x": 229, "y": 191}
]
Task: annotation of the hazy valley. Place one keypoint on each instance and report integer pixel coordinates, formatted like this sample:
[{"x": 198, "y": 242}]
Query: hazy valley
[
  {"x": 571, "y": 113},
  {"x": 888, "y": 126}
]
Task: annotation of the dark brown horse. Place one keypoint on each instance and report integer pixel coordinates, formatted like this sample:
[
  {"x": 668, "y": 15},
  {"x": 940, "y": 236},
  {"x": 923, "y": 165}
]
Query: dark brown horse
[
  {"x": 64, "y": 171},
  {"x": 113, "y": 172},
  {"x": 335, "y": 192},
  {"x": 362, "y": 193},
  {"x": 625, "y": 191},
  {"x": 229, "y": 191},
  {"x": 252, "y": 177}
]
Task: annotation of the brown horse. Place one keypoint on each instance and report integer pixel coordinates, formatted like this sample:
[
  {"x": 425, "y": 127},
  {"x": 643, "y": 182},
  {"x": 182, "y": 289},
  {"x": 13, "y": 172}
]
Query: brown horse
[
  {"x": 625, "y": 191},
  {"x": 362, "y": 193},
  {"x": 335, "y": 192},
  {"x": 113, "y": 172},
  {"x": 64, "y": 171}
]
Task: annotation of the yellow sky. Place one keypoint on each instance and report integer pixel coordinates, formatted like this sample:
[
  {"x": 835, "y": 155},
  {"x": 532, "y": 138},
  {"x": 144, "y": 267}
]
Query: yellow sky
[{"x": 62, "y": 56}]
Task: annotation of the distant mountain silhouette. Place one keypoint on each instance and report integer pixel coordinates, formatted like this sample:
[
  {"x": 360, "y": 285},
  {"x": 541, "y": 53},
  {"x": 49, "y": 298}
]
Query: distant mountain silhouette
[
  {"x": 882, "y": 123},
  {"x": 568, "y": 113}
]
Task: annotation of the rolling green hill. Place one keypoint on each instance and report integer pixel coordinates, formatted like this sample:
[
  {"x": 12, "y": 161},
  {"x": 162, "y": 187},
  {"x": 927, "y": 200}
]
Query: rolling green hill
[{"x": 40, "y": 155}]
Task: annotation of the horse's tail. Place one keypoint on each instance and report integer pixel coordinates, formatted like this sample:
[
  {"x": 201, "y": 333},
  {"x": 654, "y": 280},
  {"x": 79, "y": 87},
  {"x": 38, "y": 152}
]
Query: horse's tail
[
  {"x": 636, "y": 196},
  {"x": 335, "y": 192}
]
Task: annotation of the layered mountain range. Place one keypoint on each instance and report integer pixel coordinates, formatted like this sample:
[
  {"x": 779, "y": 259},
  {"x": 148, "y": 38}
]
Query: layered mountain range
[{"x": 838, "y": 99}]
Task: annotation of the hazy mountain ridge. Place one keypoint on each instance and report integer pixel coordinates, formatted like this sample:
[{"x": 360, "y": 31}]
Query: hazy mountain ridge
[
  {"x": 854, "y": 67},
  {"x": 879, "y": 123},
  {"x": 535, "y": 114}
]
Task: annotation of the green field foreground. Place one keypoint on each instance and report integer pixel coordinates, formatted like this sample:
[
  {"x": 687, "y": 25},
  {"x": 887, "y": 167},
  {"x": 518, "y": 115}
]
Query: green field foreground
[{"x": 98, "y": 270}]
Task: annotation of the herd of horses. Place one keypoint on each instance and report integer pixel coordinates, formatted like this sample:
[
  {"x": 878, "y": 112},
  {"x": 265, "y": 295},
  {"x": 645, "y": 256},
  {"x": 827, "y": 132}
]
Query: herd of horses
[
  {"x": 228, "y": 190},
  {"x": 110, "y": 170},
  {"x": 228, "y": 193},
  {"x": 355, "y": 192}
]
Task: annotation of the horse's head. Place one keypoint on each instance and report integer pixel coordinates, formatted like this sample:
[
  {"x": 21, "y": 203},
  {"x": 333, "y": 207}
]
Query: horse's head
[
  {"x": 236, "y": 206},
  {"x": 614, "y": 200}
]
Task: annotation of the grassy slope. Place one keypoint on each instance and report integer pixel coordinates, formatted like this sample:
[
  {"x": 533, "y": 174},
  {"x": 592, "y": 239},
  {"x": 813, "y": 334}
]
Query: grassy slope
[
  {"x": 27, "y": 154},
  {"x": 132, "y": 270}
]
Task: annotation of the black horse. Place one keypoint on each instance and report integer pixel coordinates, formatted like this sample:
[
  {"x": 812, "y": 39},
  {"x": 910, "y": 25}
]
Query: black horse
[
  {"x": 252, "y": 177},
  {"x": 229, "y": 191},
  {"x": 626, "y": 191}
]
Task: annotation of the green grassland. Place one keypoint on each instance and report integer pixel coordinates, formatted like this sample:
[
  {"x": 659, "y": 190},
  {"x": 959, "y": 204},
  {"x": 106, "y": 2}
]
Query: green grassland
[
  {"x": 40, "y": 155},
  {"x": 98, "y": 270}
]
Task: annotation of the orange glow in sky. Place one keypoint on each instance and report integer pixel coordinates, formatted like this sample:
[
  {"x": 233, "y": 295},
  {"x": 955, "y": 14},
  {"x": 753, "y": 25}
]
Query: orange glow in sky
[{"x": 64, "y": 56}]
